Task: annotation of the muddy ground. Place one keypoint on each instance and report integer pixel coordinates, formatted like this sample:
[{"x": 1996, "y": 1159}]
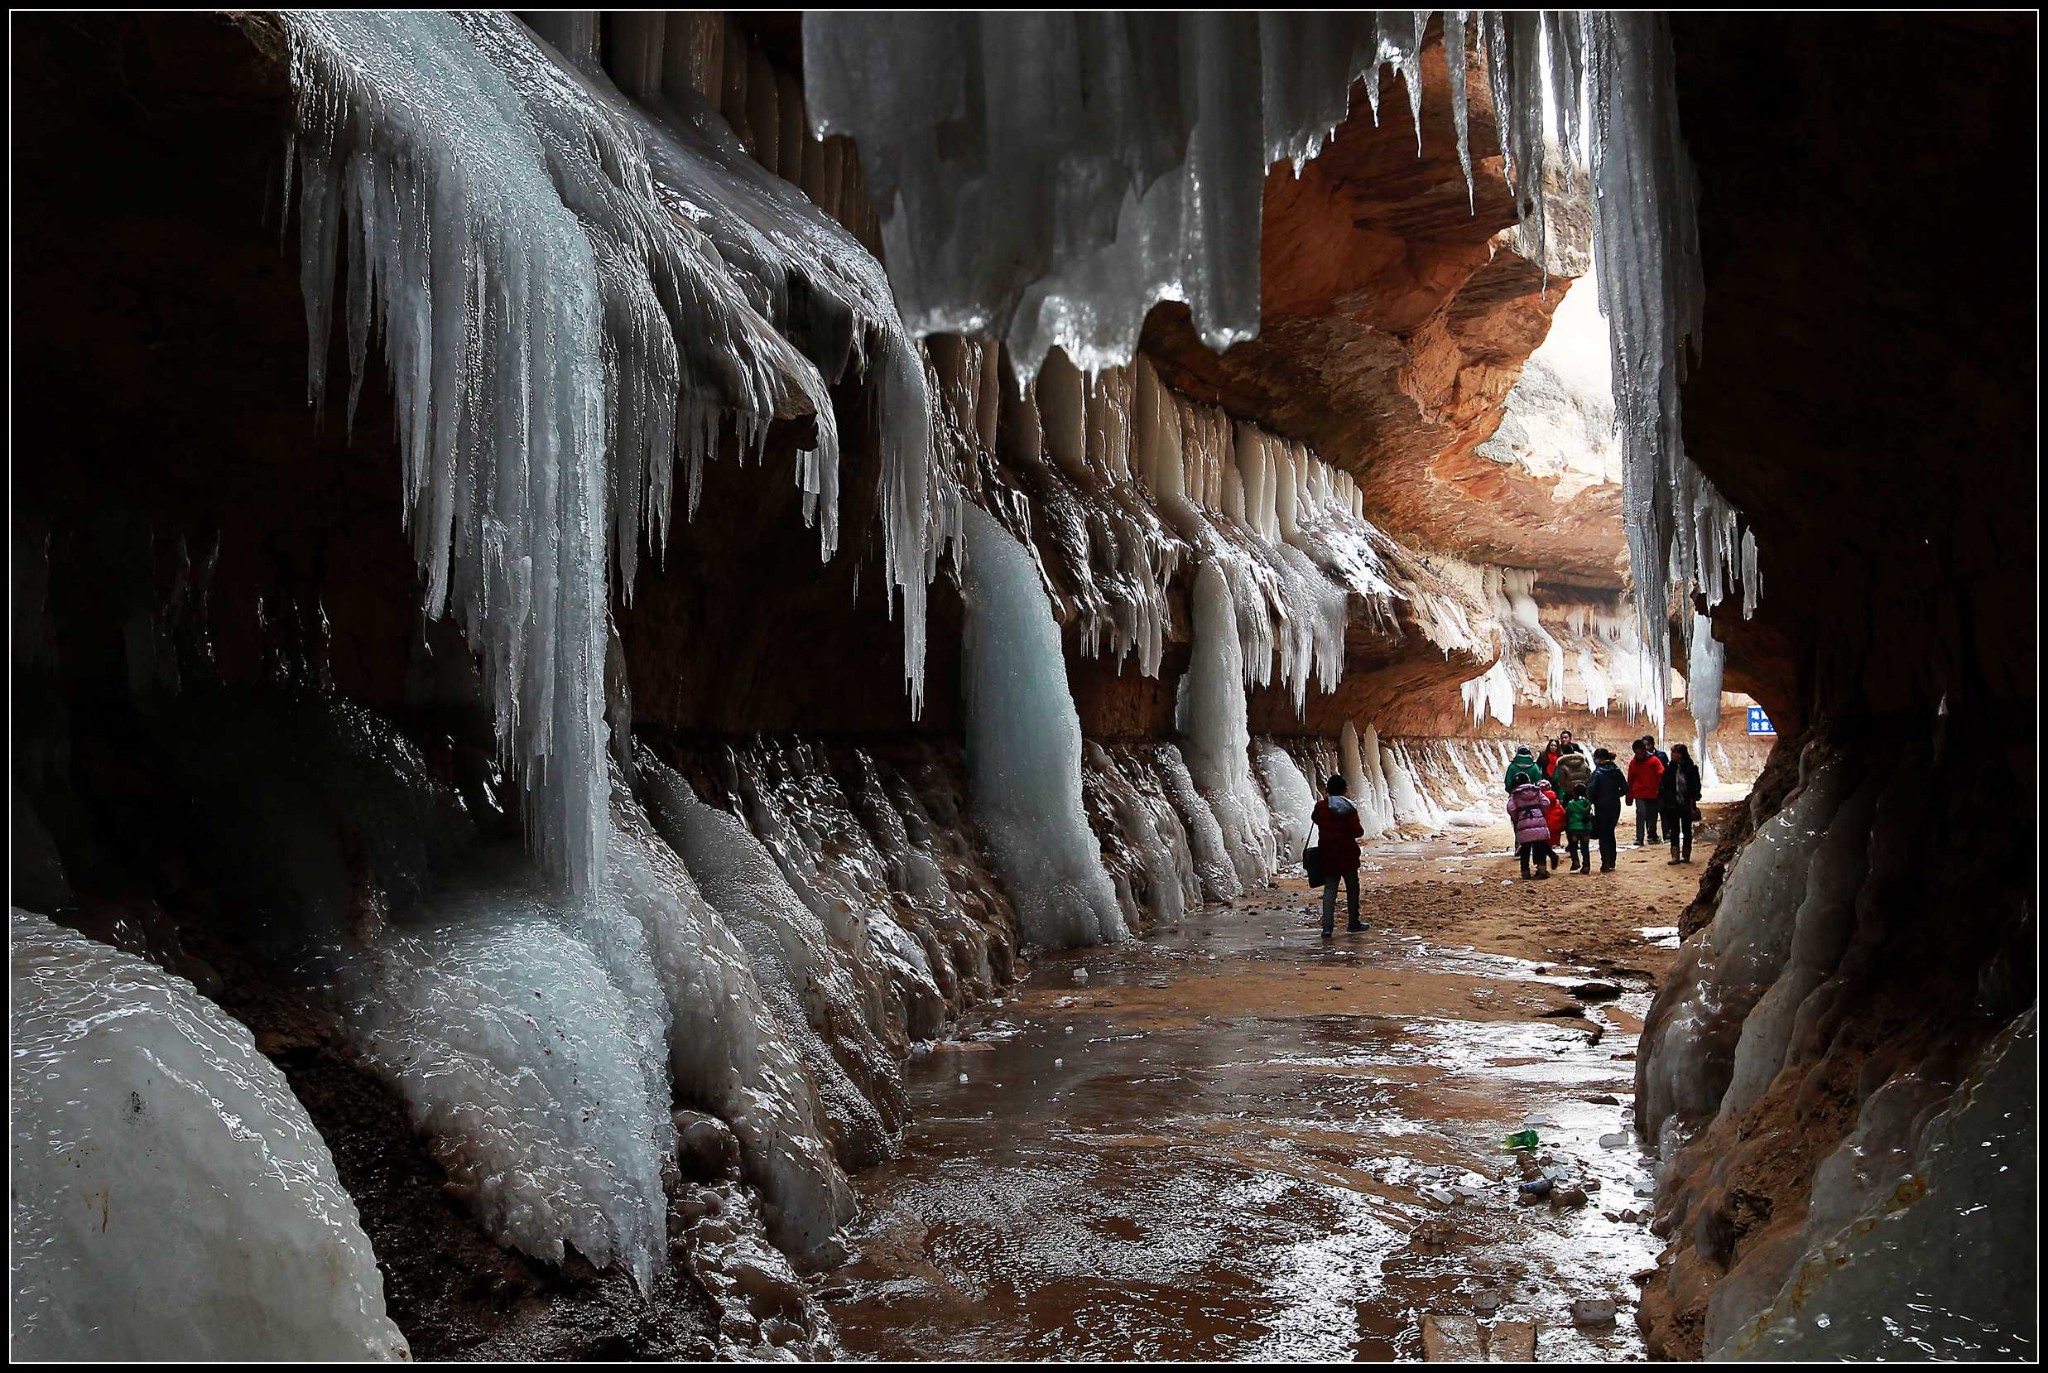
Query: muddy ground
[{"x": 1238, "y": 1140}]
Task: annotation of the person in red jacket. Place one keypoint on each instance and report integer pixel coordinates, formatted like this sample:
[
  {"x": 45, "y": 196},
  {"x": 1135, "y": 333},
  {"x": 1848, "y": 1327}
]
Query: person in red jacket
[
  {"x": 1337, "y": 834},
  {"x": 1553, "y": 816},
  {"x": 1645, "y": 780},
  {"x": 1548, "y": 761}
]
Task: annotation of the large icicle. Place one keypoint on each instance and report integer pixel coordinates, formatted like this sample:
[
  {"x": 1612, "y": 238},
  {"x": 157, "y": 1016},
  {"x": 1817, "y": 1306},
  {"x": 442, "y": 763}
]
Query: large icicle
[
  {"x": 812, "y": 281},
  {"x": 414, "y": 147},
  {"x": 1024, "y": 747}
]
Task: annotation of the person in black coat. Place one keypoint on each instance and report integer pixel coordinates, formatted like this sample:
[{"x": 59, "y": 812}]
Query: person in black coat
[
  {"x": 1678, "y": 801},
  {"x": 1607, "y": 789}
]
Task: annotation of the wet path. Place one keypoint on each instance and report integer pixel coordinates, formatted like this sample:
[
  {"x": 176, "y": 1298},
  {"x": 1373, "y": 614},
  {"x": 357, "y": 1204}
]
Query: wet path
[{"x": 1237, "y": 1141}]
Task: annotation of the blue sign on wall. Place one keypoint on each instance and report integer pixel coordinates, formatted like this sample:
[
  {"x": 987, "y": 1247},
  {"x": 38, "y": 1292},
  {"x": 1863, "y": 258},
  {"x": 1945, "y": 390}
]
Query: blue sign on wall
[{"x": 1760, "y": 723}]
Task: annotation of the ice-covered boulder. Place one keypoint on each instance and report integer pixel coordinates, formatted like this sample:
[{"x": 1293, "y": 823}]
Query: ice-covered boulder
[{"x": 171, "y": 1198}]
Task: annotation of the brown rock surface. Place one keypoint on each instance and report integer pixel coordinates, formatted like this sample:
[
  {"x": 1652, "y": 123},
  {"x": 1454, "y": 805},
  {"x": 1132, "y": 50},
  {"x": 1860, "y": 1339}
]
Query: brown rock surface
[{"x": 1395, "y": 319}]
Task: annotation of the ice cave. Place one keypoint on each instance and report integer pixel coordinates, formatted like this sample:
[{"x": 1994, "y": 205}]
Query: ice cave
[{"x": 677, "y": 678}]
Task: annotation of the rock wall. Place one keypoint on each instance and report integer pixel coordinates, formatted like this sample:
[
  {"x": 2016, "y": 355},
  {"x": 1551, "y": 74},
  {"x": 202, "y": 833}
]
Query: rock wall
[{"x": 1861, "y": 398}]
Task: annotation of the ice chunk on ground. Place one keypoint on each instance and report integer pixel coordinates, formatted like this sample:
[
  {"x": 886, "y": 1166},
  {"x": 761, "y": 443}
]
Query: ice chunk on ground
[{"x": 170, "y": 1197}]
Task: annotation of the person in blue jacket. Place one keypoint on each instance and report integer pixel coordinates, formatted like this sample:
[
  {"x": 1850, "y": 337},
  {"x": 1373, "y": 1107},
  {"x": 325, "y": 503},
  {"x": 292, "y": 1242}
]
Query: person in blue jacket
[{"x": 1607, "y": 789}]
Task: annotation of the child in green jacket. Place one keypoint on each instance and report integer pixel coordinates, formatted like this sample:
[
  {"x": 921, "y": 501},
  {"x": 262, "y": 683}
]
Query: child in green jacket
[{"x": 1578, "y": 829}]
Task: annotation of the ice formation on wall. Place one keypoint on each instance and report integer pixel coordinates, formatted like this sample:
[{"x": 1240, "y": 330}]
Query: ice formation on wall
[
  {"x": 415, "y": 148},
  {"x": 1703, "y": 676},
  {"x": 1127, "y": 482},
  {"x": 1213, "y": 864},
  {"x": 1218, "y": 745},
  {"x": 1593, "y": 656},
  {"x": 726, "y": 1052},
  {"x": 540, "y": 1083},
  {"x": 1492, "y": 692},
  {"x": 1921, "y": 1235},
  {"x": 804, "y": 273},
  {"x": 573, "y": 292},
  {"x": 813, "y": 986},
  {"x": 1024, "y": 747},
  {"x": 170, "y": 1198},
  {"x": 1726, "y": 968},
  {"x": 1510, "y": 590},
  {"x": 1113, "y": 553},
  {"x": 1406, "y": 787},
  {"x": 1290, "y": 797},
  {"x": 1157, "y": 132}
]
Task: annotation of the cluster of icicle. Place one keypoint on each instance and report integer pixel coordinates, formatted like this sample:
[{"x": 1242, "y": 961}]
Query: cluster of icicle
[
  {"x": 575, "y": 289},
  {"x": 1093, "y": 493},
  {"x": 1612, "y": 90},
  {"x": 1593, "y": 658},
  {"x": 1150, "y": 135},
  {"x": 1126, "y": 481}
]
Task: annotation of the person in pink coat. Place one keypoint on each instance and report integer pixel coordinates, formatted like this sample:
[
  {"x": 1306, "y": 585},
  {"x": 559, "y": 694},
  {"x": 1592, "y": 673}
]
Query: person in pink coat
[{"x": 1529, "y": 812}]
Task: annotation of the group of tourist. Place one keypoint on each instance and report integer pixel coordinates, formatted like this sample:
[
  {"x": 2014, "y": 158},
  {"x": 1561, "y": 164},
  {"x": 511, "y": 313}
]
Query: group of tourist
[{"x": 1559, "y": 795}]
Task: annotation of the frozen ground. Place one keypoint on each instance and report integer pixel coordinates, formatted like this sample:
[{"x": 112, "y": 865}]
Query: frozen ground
[{"x": 1237, "y": 1141}]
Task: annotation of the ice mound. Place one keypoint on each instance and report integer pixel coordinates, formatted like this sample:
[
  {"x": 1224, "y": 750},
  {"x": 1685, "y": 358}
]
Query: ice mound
[
  {"x": 170, "y": 1197},
  {"x": 537, "y": 1073}
]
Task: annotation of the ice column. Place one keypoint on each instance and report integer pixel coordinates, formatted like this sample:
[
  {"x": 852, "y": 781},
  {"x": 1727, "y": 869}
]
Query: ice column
[
  {"x": 1219, "y": 739},
  {"x": 1024, "y": 747}
]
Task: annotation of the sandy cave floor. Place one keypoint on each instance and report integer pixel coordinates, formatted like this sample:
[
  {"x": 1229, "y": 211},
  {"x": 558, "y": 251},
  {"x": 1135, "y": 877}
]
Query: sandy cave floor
[{"x": 1237, "y": 1140}]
